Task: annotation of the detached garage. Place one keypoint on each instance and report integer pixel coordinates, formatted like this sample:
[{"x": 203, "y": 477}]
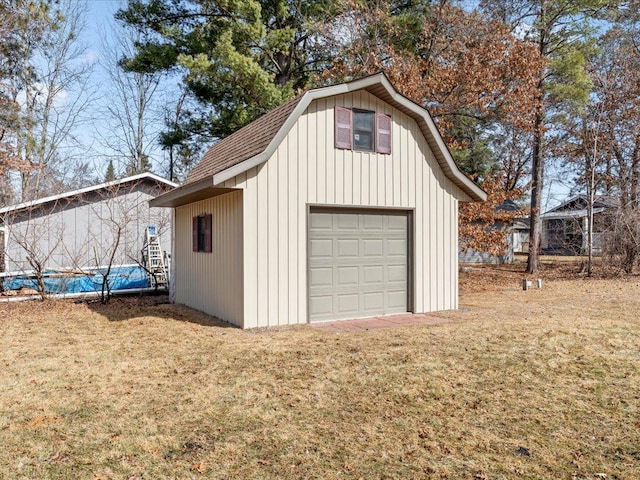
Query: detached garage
[
  {"x": 341, "y": 203},
  {"x": 358, "y": 263}
]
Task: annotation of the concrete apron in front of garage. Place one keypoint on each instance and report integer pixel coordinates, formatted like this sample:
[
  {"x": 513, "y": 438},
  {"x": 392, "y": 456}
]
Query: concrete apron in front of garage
[{"x": 386, "y": 321}]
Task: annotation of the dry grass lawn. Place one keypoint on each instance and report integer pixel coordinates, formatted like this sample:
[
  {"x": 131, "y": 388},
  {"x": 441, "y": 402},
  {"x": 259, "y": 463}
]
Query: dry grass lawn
[{"x": 542, "y": 384}]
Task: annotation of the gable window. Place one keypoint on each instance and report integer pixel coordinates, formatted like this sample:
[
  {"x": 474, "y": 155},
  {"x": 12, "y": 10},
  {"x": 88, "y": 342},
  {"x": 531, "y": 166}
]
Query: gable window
[
  {"x": 202, "y": 233},
  {"x": 362, "y": 130}
]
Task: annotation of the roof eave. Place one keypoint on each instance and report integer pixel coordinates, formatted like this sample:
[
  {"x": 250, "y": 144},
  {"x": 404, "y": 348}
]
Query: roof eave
[
  {"x": 192, "y": 192},
  {"x": 582, "y": 213},
  {"x": 223, "y": 176},
  {"x": 169, "y": 197}
]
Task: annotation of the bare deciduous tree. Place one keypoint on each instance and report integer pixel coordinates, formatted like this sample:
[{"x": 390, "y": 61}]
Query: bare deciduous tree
[
  {"x": 33, "y": 242},
  {"x": 121, "y": 214},
  {"x": 182, "y": 152},
  {"x": 52, "y": 92},
  {"x": 616, "y": 75},
  {"x": 130, "y": 106}
]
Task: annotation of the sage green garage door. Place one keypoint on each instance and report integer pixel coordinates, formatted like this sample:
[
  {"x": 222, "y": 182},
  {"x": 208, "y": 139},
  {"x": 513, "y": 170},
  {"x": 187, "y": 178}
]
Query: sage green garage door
[{"x": 358, "y": 264}]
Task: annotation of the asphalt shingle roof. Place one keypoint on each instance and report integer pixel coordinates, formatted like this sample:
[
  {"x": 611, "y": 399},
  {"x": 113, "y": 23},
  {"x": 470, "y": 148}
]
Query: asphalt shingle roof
[{"x": 243, "y": 144}]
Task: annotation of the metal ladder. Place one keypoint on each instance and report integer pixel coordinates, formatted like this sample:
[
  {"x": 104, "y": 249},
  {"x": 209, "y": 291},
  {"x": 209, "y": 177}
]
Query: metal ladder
[{"x": 154, "y": 259}]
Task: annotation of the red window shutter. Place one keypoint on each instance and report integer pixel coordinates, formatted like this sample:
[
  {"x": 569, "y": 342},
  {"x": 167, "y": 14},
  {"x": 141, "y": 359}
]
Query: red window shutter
[
  {"x": 208, "y": 233},
  {"x": 383, "y": 133},
  {"x": 194, "y": 233},
  {"x": 344, "y": 137}
]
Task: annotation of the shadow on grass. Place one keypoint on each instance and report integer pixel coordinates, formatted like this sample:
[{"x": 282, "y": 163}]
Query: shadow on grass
[{"x": 122, "y": 308}]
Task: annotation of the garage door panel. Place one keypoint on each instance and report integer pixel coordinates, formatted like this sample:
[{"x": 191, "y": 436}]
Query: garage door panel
[
  {"x": 349, "y": 304},
  {"x": 321, "y": 306},
  {"x": 397, "y": 223},
  {"x": 321, "y": 247},
  {"x": 397, "y": 247},
  {"x": 321, "y": 221},
  {"x": 373, "y": 222},
  {"x": 373, "y": 302},
  {"x": 348, "y": 247},
  {"x": 347, "y": 221},
  {"x": 321, "y": 277},
  {"x": 348, "y": 276},
  {"x": 397, "y": 273},
  {"x": 373, "y": 274},
  {"x": 373, "y": 247},
  {"x": 397, "y": 301}
]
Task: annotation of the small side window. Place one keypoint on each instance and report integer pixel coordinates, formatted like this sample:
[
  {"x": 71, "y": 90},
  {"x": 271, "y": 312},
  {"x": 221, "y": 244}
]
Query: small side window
[{"x": 202, "y": 233}]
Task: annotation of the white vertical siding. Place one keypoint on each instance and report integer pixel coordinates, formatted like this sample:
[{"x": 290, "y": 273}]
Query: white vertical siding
[
  {"x": 455, "y": 249},
  {"x": 251, "y": 255},
  {"x": 306, "y": 170},
  {"x": 213, "y": 282}
]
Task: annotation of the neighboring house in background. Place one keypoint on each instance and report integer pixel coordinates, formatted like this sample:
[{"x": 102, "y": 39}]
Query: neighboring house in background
[
  {"x": 86, "y": 228},
  {"x": 341, "y": 203},
  {"x": 564, "y": 228},
  {"x": 516, "y": 235}
]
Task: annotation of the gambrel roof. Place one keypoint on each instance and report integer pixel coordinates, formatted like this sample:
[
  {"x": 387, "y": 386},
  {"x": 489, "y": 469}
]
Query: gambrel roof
[{"x": 256, "y": 142}]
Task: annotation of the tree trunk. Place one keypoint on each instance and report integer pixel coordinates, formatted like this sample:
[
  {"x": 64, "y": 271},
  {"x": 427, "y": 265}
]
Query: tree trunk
[
  {"x": 537, "y": 163},
  {"x": 38, "y": 271},
  {"x": 537, "y": 172},
  {"x": 171, "y": 148},
  {"x": 591, "y": 161},
  {"x": 590, "y": 232},
  {"x": 629, "y": 259}
]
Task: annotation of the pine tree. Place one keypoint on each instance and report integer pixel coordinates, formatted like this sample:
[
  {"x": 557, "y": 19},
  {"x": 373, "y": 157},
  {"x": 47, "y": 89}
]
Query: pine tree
[
  {"x": 110, "y": 174},
  {"x": 240, "y": 59}
]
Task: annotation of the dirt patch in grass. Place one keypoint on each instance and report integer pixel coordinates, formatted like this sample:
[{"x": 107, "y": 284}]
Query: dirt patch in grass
[{"x": 523, "y": 384}]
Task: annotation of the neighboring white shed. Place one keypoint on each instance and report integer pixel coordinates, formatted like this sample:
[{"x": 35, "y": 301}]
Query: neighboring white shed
[
  {"x": 341, "y": 203},
  {"x": 516, "y": 233},
  {"x": 84, "y": 228}
]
